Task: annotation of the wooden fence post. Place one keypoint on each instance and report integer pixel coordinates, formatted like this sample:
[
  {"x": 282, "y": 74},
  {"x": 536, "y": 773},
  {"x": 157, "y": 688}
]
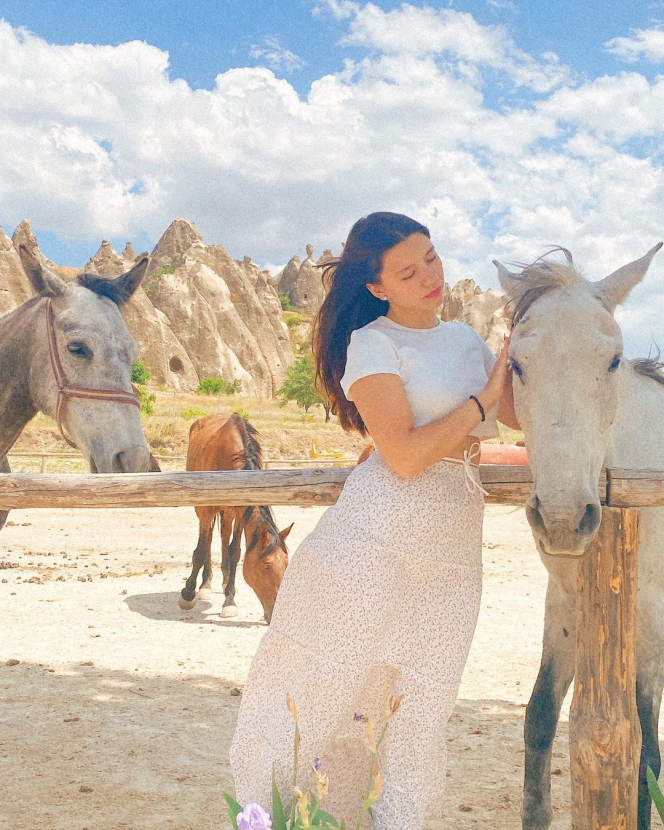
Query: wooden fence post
[{"x": 605, "y": 735}]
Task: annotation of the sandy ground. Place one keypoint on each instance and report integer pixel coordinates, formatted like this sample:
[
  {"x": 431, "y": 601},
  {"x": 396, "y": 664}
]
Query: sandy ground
[{"x": 120, "y": 711}]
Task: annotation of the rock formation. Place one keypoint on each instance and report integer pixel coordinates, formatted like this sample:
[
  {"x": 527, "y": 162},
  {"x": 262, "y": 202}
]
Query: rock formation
[
  {"x": 302, "y": 282},
  {"x": 215, "y": 311},
  {"x": 23, "y": 235},
  {"x": 201, "y": 313},
  {"x": 105, "y": 262},
  {"x": 483, "y": 310},
  {"x": 15, "y": 287},
  {"x": 160, "y": 349}
]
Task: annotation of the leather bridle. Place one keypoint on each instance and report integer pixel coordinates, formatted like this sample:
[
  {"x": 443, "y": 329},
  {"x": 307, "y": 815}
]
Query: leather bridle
[{"x": 71, "y": 390}]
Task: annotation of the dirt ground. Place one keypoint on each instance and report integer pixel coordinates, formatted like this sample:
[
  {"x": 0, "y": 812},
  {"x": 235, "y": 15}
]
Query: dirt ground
[{"x": 120, "y": 710}]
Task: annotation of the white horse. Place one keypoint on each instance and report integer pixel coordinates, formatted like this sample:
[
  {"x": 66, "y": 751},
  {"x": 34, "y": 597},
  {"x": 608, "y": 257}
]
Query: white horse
[{"x": 583, "y": 406}]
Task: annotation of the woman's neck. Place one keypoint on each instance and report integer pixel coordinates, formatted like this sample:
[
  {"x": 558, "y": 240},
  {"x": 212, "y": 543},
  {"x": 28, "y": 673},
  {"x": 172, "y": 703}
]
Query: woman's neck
[{"x": 414, "y": 319}]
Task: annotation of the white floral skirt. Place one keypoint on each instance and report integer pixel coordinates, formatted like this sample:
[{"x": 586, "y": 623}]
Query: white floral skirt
[{"x": 380, "y": 599}]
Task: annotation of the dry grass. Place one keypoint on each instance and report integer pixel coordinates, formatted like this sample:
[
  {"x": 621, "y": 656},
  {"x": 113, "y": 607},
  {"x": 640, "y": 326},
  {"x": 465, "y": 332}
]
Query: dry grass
[{"x": 285, "y": 432}]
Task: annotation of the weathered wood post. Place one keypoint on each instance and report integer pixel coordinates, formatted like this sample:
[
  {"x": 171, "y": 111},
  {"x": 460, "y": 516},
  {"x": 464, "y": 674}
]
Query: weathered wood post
[{"x": 605, "y": 734}]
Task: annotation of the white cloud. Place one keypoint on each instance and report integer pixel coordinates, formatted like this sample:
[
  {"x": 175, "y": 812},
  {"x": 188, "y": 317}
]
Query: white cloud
[
  {"x": 424, "y": 31},
  {"x": 99, "y": 142},
  {"x": 644, "y": 43},
  {"x": 276, "y": 56}
]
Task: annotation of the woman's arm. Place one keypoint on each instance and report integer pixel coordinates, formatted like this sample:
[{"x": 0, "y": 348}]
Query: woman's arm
[
  {"x": 506, "y": 414},
  {"x": 407, "y": 449}
]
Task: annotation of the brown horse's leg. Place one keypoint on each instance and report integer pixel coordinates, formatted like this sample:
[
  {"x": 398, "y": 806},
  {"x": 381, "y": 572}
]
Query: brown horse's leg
[
  {"x": 201, "y": 553},
  {"x": 229, "y": 608},
  {"x": 205, "y": 590},
  {"x": 226, "y": 531}
]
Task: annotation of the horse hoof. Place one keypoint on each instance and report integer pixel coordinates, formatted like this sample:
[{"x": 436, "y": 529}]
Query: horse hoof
[
  {"x": 186, "y": 604},
  {"x": 205, "y": 593},
  {"x": 229, "y": 611}
]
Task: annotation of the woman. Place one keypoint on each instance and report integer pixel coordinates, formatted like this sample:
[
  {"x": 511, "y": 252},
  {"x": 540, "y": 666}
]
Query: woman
[{"x": 382, "y": 597}]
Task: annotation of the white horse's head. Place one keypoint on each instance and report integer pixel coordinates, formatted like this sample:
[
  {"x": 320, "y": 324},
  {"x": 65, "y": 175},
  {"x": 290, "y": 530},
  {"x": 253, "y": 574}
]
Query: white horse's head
[{"x": 566, "y": 355}]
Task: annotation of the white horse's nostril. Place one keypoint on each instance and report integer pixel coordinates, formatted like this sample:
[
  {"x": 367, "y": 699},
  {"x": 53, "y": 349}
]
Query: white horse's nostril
[{"x": 590, "y": 521}]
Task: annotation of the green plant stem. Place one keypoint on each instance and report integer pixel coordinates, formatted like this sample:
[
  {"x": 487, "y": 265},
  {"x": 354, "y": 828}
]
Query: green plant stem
[
  {"x": 374, "y": 756},
  {"x": 296, "y": 758}
]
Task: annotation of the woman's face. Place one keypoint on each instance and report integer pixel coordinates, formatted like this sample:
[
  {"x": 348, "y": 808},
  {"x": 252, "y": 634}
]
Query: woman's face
[{"x": 412, "y": 276}]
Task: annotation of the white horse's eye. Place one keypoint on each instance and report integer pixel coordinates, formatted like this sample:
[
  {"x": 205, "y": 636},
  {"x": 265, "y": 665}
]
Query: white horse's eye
[
  {"x": 518, "y": 371},
  {"x": 615, "y": 363}
]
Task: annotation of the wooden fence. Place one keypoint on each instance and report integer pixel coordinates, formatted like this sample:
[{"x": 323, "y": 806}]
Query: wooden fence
[
  {"x": 605, "y": 736},
  {"x": 268, "y": 463}
]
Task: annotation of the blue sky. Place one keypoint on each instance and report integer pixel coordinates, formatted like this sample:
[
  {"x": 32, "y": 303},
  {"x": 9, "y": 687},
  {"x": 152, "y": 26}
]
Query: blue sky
[{"x": 506, "y": 126}]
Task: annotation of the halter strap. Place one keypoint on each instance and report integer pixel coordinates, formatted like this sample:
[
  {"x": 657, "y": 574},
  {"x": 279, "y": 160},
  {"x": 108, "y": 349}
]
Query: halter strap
[{"x": 72, "y": 390}]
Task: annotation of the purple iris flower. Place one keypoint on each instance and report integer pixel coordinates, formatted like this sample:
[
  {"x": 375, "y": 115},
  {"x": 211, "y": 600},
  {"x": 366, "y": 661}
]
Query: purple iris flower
[{"x": 253, "y": 817}]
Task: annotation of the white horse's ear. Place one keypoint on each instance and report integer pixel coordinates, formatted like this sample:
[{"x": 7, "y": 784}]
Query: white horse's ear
[
  {"x": 508, "y": 281},
  {"x": 42, "y": 279},
  {"x": 613, "y": 290}
]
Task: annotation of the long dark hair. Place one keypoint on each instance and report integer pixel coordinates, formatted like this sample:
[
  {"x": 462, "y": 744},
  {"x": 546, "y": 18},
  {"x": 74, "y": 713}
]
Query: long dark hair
[{"x": 349, "y": 304}]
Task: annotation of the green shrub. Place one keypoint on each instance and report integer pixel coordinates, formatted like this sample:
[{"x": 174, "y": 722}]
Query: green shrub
[
  {"x": 219, "y": 386},
  {"x": 147, "y": 400},
  {"x": 242, "y": 412},
  {"x": 140, "y": 373},
  {"x": 165, "y": 269},
  {"x": 286, "y": 304},
  {"x": 193, "y": 412},
  {"x": 293, "y": 320}
]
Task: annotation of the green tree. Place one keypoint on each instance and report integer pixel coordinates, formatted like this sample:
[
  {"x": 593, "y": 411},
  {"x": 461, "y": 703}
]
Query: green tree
[
  {"x": 219, "y": 386},
  {"x": 140, "y": 373},
  {"x": 299, "y": 385}
]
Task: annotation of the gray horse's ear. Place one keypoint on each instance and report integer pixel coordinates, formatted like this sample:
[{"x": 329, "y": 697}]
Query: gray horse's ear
[
  {"x": 613, "y": 290},
  {"x": 125, "y": 285},
  {"x": 119, "y": 289},
  {"x": 42, "y": 279}
]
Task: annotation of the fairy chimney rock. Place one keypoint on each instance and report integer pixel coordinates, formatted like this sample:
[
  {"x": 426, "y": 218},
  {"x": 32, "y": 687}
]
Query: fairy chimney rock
[
  {"x": 302, "y": 282},
  {"x": 23, "y": 235},
  {"x": 129, "y": 254},
  {"x": 214, "y": 309},
  {"x": 15, "y": 287},
  {"x": 176, "y": 240},
  {"x": 105, "y": 262}
]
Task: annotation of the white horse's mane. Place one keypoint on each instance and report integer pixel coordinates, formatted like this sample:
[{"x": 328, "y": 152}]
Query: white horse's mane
[
  {"x": 537, "y": 278},
  {"x": 543, "y": 275}
]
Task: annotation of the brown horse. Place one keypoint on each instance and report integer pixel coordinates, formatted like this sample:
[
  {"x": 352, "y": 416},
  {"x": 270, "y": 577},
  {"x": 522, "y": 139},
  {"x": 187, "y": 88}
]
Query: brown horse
[{"x": 222, "y": 442}]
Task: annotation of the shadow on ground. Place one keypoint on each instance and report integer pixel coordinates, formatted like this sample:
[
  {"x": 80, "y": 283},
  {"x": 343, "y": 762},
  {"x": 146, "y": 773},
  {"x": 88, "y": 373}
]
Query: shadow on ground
[
  {"x": 103, "y": 750},
  {"x": 164, "y": 606}
]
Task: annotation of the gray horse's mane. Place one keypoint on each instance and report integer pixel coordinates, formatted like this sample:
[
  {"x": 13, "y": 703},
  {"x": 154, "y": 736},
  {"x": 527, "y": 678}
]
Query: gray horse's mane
[{"x": 538, "y": 278}]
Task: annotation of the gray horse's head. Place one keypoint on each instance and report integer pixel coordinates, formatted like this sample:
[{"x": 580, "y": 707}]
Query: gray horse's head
[
  {"x": 566, "y": 355},
  {"x": 95, "y": 351}
]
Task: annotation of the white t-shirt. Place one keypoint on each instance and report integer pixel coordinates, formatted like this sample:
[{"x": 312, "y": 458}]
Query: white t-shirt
[{"x": 439, "y": 367}]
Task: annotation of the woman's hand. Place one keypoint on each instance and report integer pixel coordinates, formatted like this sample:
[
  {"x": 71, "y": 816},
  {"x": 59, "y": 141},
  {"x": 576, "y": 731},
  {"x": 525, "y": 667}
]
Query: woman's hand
[{"x": 500, "y": 374}]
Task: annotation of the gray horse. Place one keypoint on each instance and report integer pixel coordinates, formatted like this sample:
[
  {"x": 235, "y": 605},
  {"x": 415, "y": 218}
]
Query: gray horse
[
  {"x": 583, "y": 406},
  {"x": 67, "y": 352}
]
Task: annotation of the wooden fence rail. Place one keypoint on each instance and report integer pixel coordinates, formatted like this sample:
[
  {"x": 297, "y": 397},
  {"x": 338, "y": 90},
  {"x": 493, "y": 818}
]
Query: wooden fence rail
[
  {"x": 505, "y": 484},
  {"x": 605, "y": 737}
]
